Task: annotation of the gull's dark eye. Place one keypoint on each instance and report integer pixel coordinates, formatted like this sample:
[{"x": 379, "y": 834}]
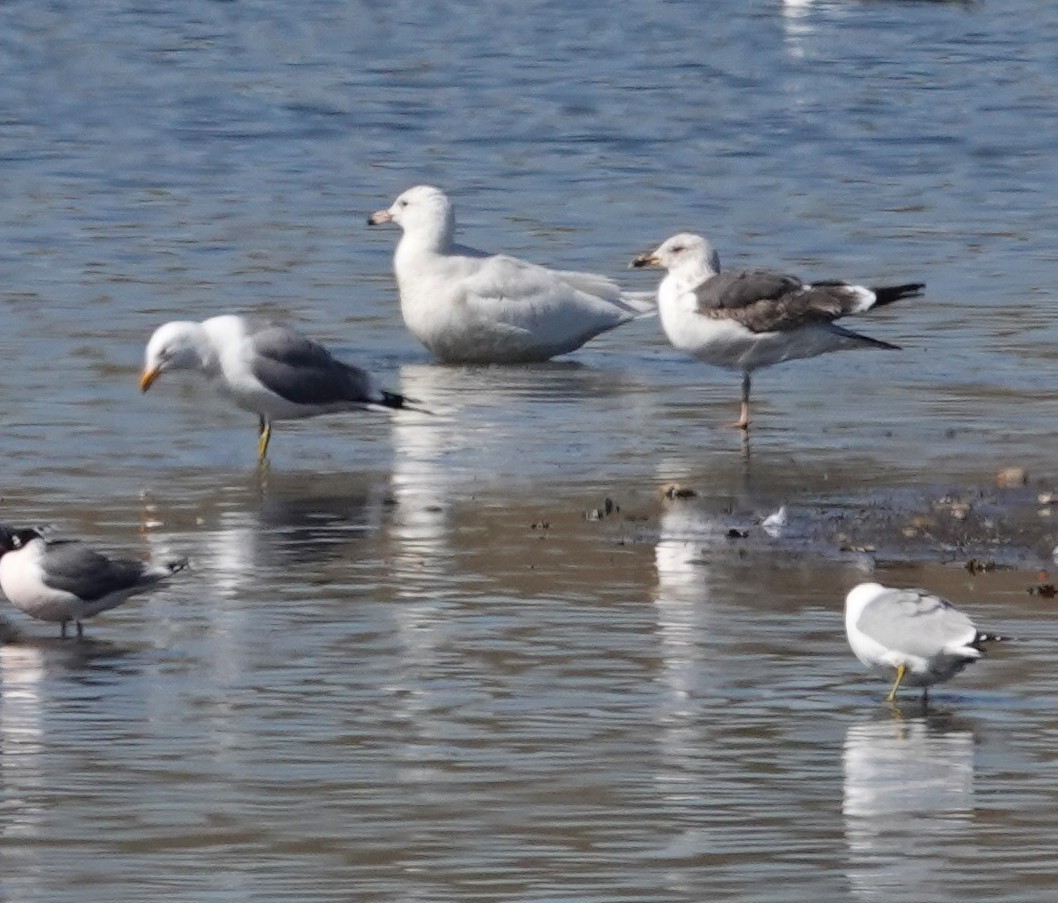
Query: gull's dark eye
[
  {"x": 679, "y": 249},
  {"x": 402, "y": 202}
]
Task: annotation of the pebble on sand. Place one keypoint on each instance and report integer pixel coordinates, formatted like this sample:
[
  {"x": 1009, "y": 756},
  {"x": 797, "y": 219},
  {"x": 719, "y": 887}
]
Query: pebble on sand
[{"x": 676, "y": 491}]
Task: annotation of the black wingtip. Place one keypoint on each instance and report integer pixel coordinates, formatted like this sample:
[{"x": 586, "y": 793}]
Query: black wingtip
[
  {"x": 887, "y": 294},
  {"x": 393, "y": 400},
  {"x": 983, "y": 638},
  {"x": 176, "y": 565},
  {"x": 886, "y": 346},
  {"x": 860, "y": 337},
  {"x": 399, "y": 402}
]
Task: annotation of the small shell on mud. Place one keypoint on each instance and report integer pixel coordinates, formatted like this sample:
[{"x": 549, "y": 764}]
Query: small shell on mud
[
  {"x": 920, "y": 523},
  {"x": 1011, "y": 477},
  {"x": 977, "y": 566},
  {"x": 774, "y": 524},
  {"x": 957, "y": 508}
]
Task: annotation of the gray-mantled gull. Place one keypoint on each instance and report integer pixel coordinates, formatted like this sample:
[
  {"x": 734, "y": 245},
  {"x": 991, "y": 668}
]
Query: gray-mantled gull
[
  {"x": 467, "y": 306},
  {"x": 267, "y": 368},
  {"x": 748, "y": 319},
  {"x": 920, "y": 638},
  {"x": 65, "y": 580}
]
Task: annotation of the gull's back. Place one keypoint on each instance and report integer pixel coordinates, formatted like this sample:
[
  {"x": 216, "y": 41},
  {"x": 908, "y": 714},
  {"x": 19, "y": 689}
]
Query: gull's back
[{"x": 917, "y": 622}]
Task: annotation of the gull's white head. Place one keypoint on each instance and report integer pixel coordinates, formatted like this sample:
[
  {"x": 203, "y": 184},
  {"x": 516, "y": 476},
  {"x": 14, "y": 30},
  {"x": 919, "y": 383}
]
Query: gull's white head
[
  {"x": 178, "y": 345},
  {"x": 681, "y": 253},
  {"x": 860, "y": 596},
  {"x": 423, "y": 211}
]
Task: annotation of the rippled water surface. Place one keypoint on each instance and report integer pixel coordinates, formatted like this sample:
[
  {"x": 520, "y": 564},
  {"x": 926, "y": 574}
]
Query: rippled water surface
[{"x": 422, "y": 658}]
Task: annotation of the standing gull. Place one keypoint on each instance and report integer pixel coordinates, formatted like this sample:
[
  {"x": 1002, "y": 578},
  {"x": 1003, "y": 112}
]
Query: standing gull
[
  {"x": 748, "y": 319},
  {"x": 467, "y": 306},
  {"x": 266, "y": 368},
  {"x": 65, "y": 580},
  {"x": 921, "y": 638}
]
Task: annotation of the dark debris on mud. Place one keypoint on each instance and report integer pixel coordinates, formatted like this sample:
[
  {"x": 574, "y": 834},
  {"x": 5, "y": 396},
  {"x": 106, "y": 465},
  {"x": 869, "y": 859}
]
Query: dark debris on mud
[{"x": 980, "y": 529}]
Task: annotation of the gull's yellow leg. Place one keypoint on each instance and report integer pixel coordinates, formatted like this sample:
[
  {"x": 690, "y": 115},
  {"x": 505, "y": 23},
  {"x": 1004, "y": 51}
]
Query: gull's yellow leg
[
  {"x": 900, "y": 672},
  {"x": 263, "y": 439},
  {"x": 743, "y": 418}
]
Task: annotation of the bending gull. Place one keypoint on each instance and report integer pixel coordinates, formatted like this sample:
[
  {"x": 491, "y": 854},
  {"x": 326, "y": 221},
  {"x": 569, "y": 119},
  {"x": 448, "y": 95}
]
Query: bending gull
[
  {"x": 264, "y": 367},
  {"x": 65, "y": 580},
  {"x": 748, "y": 319},
  {"x": 467, "y": 306},
  {"x": 921, "y": 638}
]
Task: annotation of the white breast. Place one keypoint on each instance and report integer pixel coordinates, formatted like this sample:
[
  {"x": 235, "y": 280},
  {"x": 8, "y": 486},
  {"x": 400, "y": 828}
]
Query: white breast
[
  {"x": 722, "y": 342},
  {"x": 22, "y": 580}
]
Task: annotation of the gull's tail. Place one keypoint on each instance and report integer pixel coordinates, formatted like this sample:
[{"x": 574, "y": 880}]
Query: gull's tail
[
  {"x": 642, "y": 304},
  {"x": 887, "y": 294},
  {"x": 603, "y": 288}
]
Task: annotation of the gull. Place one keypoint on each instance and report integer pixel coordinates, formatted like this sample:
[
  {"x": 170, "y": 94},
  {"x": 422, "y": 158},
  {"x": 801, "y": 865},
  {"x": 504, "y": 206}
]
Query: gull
[
  {"x": 267, "y": 368},
  {"x": 467, "y": 306},
  {"x": 748, "y": 319},
  {"x": 921, "y": 638},
  {"x": 65, "y": 580}
]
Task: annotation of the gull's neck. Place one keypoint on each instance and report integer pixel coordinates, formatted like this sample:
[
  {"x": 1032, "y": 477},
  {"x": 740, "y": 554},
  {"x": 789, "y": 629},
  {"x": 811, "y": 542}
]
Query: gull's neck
[
  {"x": 433, "y": 235},
  {"x": 691, "y": 273},
  {"x": 210, "y": 336}
]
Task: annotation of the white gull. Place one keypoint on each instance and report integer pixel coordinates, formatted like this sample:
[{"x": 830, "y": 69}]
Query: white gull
[
  {"x": 467, "y": 306},
  {"x": 919, "y": 638}
]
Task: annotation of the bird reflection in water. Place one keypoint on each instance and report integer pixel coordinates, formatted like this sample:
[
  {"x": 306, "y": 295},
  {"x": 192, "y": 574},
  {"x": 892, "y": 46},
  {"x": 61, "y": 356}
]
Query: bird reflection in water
[
  {"x": 686, "y": 619},
  {"x": 908, "y": 798},
  {"x": 22, "y": 767},
  {"x": 33, "y": 671}
]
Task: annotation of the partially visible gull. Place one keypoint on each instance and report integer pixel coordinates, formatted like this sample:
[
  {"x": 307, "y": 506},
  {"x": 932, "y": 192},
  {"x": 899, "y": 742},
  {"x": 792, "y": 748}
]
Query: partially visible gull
[
  {"x": 748, "y": 319},
  {"x": 65, "y": 580},
  {"x": 920, "y": 638},
  {"x": 264, "y": 367},
  {"x": 468, "y": 306}
]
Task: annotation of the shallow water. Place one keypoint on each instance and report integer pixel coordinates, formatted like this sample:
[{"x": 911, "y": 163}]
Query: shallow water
[{"x": 417, "y": 659}]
